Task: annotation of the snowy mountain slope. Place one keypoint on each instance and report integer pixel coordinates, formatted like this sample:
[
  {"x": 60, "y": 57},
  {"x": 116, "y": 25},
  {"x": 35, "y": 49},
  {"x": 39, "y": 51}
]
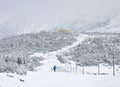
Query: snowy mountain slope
[
  {"x": 82, "y": 47},
  {"x": 79, "y": 39},
  {"x": 26, "y": 44},
  {"x": 45, "y": 77},
  {"x": 32, "y": 16},
  {"x": 102, "y": 47},
  {"x": 52, "y": 55},
  {"x": 100, "y": 25},
  {"x": 15, "y": 26},
  {"x": 110, "y": 25},
  {"x": 42, "y": 41}
]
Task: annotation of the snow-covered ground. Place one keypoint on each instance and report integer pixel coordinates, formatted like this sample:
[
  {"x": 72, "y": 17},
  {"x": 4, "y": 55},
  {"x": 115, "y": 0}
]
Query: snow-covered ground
[{"x": 45, "y": 77}]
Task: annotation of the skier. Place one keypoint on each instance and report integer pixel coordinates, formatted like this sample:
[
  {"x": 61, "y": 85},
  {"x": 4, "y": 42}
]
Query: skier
[{"x": 54, "y": 68}]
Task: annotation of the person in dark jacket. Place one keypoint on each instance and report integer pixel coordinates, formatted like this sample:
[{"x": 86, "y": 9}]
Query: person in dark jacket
[{"x": 54, "y": 68}]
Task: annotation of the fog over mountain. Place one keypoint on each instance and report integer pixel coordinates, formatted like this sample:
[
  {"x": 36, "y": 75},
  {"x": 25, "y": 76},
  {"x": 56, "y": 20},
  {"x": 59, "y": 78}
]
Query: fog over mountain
[{"x": 30, "y": 16}]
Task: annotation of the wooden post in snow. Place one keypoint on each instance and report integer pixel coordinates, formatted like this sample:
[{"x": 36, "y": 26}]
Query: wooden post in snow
[
  {"x": 83, "y": 72},
  {"x": 113, "y": 63},
  {"x": 98, "y": 66}
]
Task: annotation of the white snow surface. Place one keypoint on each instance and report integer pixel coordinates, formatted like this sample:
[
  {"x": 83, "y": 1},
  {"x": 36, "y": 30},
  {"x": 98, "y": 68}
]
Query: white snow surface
[{"x": 45, "y": 77}]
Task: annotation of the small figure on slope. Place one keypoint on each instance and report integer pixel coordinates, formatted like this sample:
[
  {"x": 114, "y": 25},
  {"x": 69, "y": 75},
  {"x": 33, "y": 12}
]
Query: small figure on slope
[{"x": 54, "y": 68}]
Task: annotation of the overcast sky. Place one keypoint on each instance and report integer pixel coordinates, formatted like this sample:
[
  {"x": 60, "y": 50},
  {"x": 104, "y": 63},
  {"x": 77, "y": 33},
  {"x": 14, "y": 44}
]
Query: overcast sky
[{"x": 52, "y": 11}]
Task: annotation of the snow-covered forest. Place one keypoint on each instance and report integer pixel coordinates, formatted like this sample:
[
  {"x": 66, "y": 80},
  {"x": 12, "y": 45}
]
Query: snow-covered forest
[
  {"x": 68, "y": 51},
  {"x": 97, "y": 47},
  {"x": 15, "y": 51}
]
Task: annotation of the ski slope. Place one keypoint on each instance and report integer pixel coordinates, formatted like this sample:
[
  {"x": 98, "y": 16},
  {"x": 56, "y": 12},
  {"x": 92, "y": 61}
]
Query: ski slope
[{"x": 45, "y": 77}]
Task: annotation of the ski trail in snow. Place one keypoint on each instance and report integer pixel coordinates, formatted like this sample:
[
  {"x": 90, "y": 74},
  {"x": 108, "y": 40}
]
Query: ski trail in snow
[
  {"x": 79, "y": 39},
  {"x": 51, "y": 59}
]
